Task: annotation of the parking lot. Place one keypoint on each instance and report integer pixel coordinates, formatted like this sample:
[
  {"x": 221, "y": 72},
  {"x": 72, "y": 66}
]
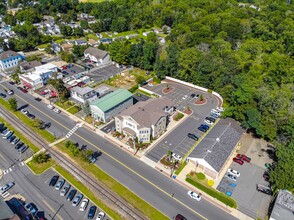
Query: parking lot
[
  {"x": 177, "y": 140},
  {"x": 103, "y": 73}
]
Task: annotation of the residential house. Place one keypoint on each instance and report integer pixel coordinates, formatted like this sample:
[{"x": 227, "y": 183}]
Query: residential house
[
  {"x": 99, "y": 35},
  {"x": 10, "y": 59},
  {"x": 105, "y": 40},
  {"x": 97, "y": 56},
  {"x": 216, "y": 148},
  {"x": 67, "y": 47},
  {"x": 82, "y": 94},
  {"x": 92, "y": 42},
  {"x": 111, "y": 104},
  {"x": 145, "y": 120},
  {"x": 29, "y": 66},
  {"x": 45, "y": 71},
  {"x": 31, "y": 80},
  {"x": 80, "y": 42},
  {"x": 56, "y": 48},
  {"x": 103, "y": 90},
  {"x": 283, "y": 207}
]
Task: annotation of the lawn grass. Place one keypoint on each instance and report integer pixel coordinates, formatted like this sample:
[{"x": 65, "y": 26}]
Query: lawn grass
[
  {"x": 94, "y": 1},
  {"x": 87, "y": 193},
  {"x": 65, "y": 105},
  {"x": 143, "y": 92},
  {"x": 59, "y": 41},
  {"x": 43, "y": 46},
  {"x": 212, "y": 192},
  {"x": 44, "y": 133},
  {"x": 19, "y": 135},
  {"x": 39, "y": 168},
  {"x": 181, "y": 168},
  {"x": 92, "y": 36},
  {"x": 73, "y": 110},
  {"x": 118, "y": 188}
]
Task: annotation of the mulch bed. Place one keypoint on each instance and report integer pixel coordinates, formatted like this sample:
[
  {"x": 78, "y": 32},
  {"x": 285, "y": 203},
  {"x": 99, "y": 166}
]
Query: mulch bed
[
  {"x": 199, "y": 102},
  {"x": 167, "y": 90},
  {"x": 188, "y": 111}
]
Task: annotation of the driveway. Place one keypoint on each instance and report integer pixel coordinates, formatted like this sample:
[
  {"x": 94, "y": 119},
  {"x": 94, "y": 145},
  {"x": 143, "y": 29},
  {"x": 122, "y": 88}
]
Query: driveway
[{"x": 177, "y": 140}]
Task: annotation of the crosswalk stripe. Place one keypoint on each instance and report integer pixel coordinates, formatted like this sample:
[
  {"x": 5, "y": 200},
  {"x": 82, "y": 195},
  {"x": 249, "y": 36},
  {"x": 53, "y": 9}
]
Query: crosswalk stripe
[{"x": 6, "y": 194}]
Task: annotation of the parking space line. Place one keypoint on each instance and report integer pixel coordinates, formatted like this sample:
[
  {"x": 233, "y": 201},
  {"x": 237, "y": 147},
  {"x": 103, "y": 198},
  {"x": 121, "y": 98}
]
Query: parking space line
[
  {"x": 3, "y": 157},
  {"x": 52, "y": 210}
]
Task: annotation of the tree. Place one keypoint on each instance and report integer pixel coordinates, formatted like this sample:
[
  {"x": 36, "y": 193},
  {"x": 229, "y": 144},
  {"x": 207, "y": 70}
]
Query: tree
[
  {"x": 58, "y": 85},
  {"x": 41, "y": 158},
  {"x": 79, "y": 32},
  {"x": 37, "y": 123},
  {"x": 84, "y": 24},
  {"x": 140, "y": 79},
  {"x": 86, "y": 108},
  {"x": 13, "y": 103}
]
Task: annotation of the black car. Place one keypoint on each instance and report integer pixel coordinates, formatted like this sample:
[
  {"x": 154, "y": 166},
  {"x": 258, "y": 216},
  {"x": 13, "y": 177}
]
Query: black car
[
  {"x": 11, "y": 138},
  {"x": 94, "y": 156},
  {"x": 53, "y": 180},
  {"x": 38, "y": 99},
  {"x": 3, "y": 129},
  {"x": 210, "y": 119},
  {"x": 192, "y": 95},
  {"x": 22, "y": 149},
  {"x": 11, "y": 83},
  {"x": 71, "y": 194},
  {"x": 19, "y": 145},
  {"x": 193, "y": 136},
  {"x": 2, "y": 95},
  {"x": 92, "y": 212},
  {"x": 31, "y": 116}
]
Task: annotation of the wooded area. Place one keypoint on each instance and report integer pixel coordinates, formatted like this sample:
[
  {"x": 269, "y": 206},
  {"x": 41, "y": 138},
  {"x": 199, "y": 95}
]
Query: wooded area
[{"x": 243, "y": 53}]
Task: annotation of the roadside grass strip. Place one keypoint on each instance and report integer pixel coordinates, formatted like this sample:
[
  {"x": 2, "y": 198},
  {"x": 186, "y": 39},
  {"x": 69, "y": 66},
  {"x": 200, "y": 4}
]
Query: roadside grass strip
[
  {"x": 39, "y": 168},
  {"x": 177, "y": 172}
]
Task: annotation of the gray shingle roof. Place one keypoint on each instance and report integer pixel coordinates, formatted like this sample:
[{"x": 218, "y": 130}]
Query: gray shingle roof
[
  {"x": 99, "y": 54},
  {"x": 30, "y": 65},
  {"x": 147, "y": 113},
  {"x": 82, "y": 91},
  {"x": 7, "y": 54},
  {"x": 284, "y": 206},
  {"x": 219, "y": 143}
]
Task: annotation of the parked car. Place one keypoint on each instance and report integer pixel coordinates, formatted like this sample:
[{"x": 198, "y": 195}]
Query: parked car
[
  {"x": 214, "y": 115},
  {"x": 231, "y": 176},
  {"x": 23, "y": 90},
  {"x": 71, "y": 194},
  {"x": 4, "y": 131},
  {"x": 11, "y": 138},
  {"x": 19, "y": 145},
  {"x": 38, "y": 99},
  {"x": 180, "y": 217},
  {"x": 2, "y": 95},
  {"x": 24, "y": 111},
  {"x": 210, "y": 119},
  {"x": 237, "y": 160},
  {"x": 194, "y": 195},
  {"x": 15, "y": 141},
  {"x": 59, "y": 184},
  {"x": 56, "y": 110},
  {"x": 31, "y": 208},
  {"x": 92, "y": 212},
  {"x": 31, "y": 116},
  {"x": 11, "y": 83},
  {"x": 94, "y": 156},
  {"x": 8, "y": 135},
  {"x": 22, "y": 149},
  {"x": 203, "y": 127},
  {"x": 192, "y": 95},
  {"x": 65, "y": 189},
  {"x": 176, "y": 157},
  {"x": 185, "y": 97},
  {"x": 84, "y": 204},
  {"x": 234, "y": 172},
  {"x": 264, "y": 189},
  {"x": 6, "y": 187},
  {"x": 100, "y": 216},
  {"x": 221, "y": 109},
  {"x": 10, "y": 92},
  {"x": 50, "y": 107},
  {"x": 53, "y": 180},
  {"x": 208, "y": 122},
  {"x": 244, "y": 157},
  {"x": 77, "y": 199},
  {"x": 215, "y": 112},
  {"x": 193, "y": 136}
]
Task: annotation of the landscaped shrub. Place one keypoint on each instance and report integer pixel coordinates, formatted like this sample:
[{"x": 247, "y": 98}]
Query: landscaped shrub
[
  {"x": 200, "y": 176},
  {"x": 133, "y": 89},
  {"x": 210, "y": 183},
  {"x": 156, "y": 80},
  {"x": 214, "y": 193},
  {"x": 178, "y": 116}
]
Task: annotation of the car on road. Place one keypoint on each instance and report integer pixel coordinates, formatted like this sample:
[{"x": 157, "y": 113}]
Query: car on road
[
  {"x": 65, "y": 189},
  {"x": 176, "y": 157},
  {"x": 84, "y": 204},
  {"x": 210, "y": 119},
  {"x": 237, "y": 160},
  {"x": 6, "y": 187},
  {"x": 193, "y": 136},
  {"x": 185, "y": 97},
  {"x": 203, "y": 127},
  {"x": 31, "y": 116},
  {"x": 31, "y": 208},
  {"x": 24, "y": 111},
  {"x": 100, "y": 216},
  {"x": 2, "y": 95},
  {"x": 71, "y": 194},
  {"x": 194, "y": 195},
  {"x": 180, "y": 217},
  {"x": 50, "y": 107},
  {"x": 244, "y": 158},
  {"x": 15, "y": 141},
  {"x": 53, "y": 180},
  {"x": 38, "y": 99},
  {"x": 92, "y": 212},
  {"x": 22, "y": 149},
  {"x": 234, "y": 172},
  {"x": 77, "y": 199},
  {"x": 56, "y": 110},
  {"x": 11, "y": 83},
  {"x": 93, "y": 158},
  {"x": 231, "y": 176},
  {"x": 59, "y": 184},
  {"x": 10, "y": 92}
]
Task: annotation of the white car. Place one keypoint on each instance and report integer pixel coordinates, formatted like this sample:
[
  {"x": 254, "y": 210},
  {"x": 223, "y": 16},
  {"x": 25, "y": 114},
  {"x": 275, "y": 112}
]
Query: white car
[
  {"x": 185, "y": 97},
  {"x": 56, "y": 110},
  {"x": 50, "y": 107},
  {"x": 10, "y": 92},
  {"x": 221, "y": 109},
  {"x": 215, "y": 111},
  {"x": 150, "y": 84},
  {"x": 176, "y": 156},
  {"x": 208, "y": 122},
  {"x": 6, "y": 187},
  {"x": 24, "y": 111},
  {"x": 234, "y": 172},
  {"x": 231, "y": 176},
  {"x": 84, "y": 204},
  {"x": 100, "y": 216},
  {"x": 194, "y": 195}
]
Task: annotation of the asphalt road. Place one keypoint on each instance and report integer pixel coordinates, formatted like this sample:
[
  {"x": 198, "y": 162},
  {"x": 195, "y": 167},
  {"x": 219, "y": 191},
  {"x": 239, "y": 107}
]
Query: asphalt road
[{"x": 143, "y": 180}]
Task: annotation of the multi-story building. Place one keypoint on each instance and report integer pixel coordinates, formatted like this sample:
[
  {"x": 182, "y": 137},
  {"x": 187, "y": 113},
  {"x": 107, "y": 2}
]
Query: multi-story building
[
  {"x": 10, "y": 59},
  {"x": 82, "y": 94}
]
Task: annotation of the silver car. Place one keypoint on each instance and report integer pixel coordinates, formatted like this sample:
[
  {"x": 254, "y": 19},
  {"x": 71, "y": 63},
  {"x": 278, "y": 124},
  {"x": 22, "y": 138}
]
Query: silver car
[
  {"x": 65, "y": 189},
  {"x": 77, "y": 199},
  {"x": 59, "y": 184}
]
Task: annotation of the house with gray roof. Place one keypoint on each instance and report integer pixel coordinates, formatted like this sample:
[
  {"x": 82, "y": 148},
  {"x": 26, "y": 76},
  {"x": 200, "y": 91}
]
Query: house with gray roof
[
  {"x": 9, "y": 59},
  {"x": 82, "y": 94},
  {"x": 107, "y": 107},
  {"x": 283, "y": 207},
  {"x": 146, "y": 119},
  {"x": 97, "y": 56},
  {"x": 215, "y": 149},
  {"x": 29, "y": 66}
]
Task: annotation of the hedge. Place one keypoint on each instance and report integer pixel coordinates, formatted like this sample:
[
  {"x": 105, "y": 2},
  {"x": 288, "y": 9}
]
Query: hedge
[
  {"x": 134, "y": 88},
  {"x": 214, "y": 193},
  {"x": 200, "y": 176}
]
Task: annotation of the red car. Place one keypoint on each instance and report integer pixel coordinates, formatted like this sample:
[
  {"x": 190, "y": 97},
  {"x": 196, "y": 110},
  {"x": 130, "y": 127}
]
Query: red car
[
  {"x": 237, "y": 160},
  {"x": 244, "y": 158},
  {"x": 23, "y": 90}
]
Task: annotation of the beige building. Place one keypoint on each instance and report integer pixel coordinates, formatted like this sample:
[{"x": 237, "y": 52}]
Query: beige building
[{"x": 145, "y": 120}]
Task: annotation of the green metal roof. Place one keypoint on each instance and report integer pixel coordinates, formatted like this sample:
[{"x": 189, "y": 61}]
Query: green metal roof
[{"x": 112, "y": 99}]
